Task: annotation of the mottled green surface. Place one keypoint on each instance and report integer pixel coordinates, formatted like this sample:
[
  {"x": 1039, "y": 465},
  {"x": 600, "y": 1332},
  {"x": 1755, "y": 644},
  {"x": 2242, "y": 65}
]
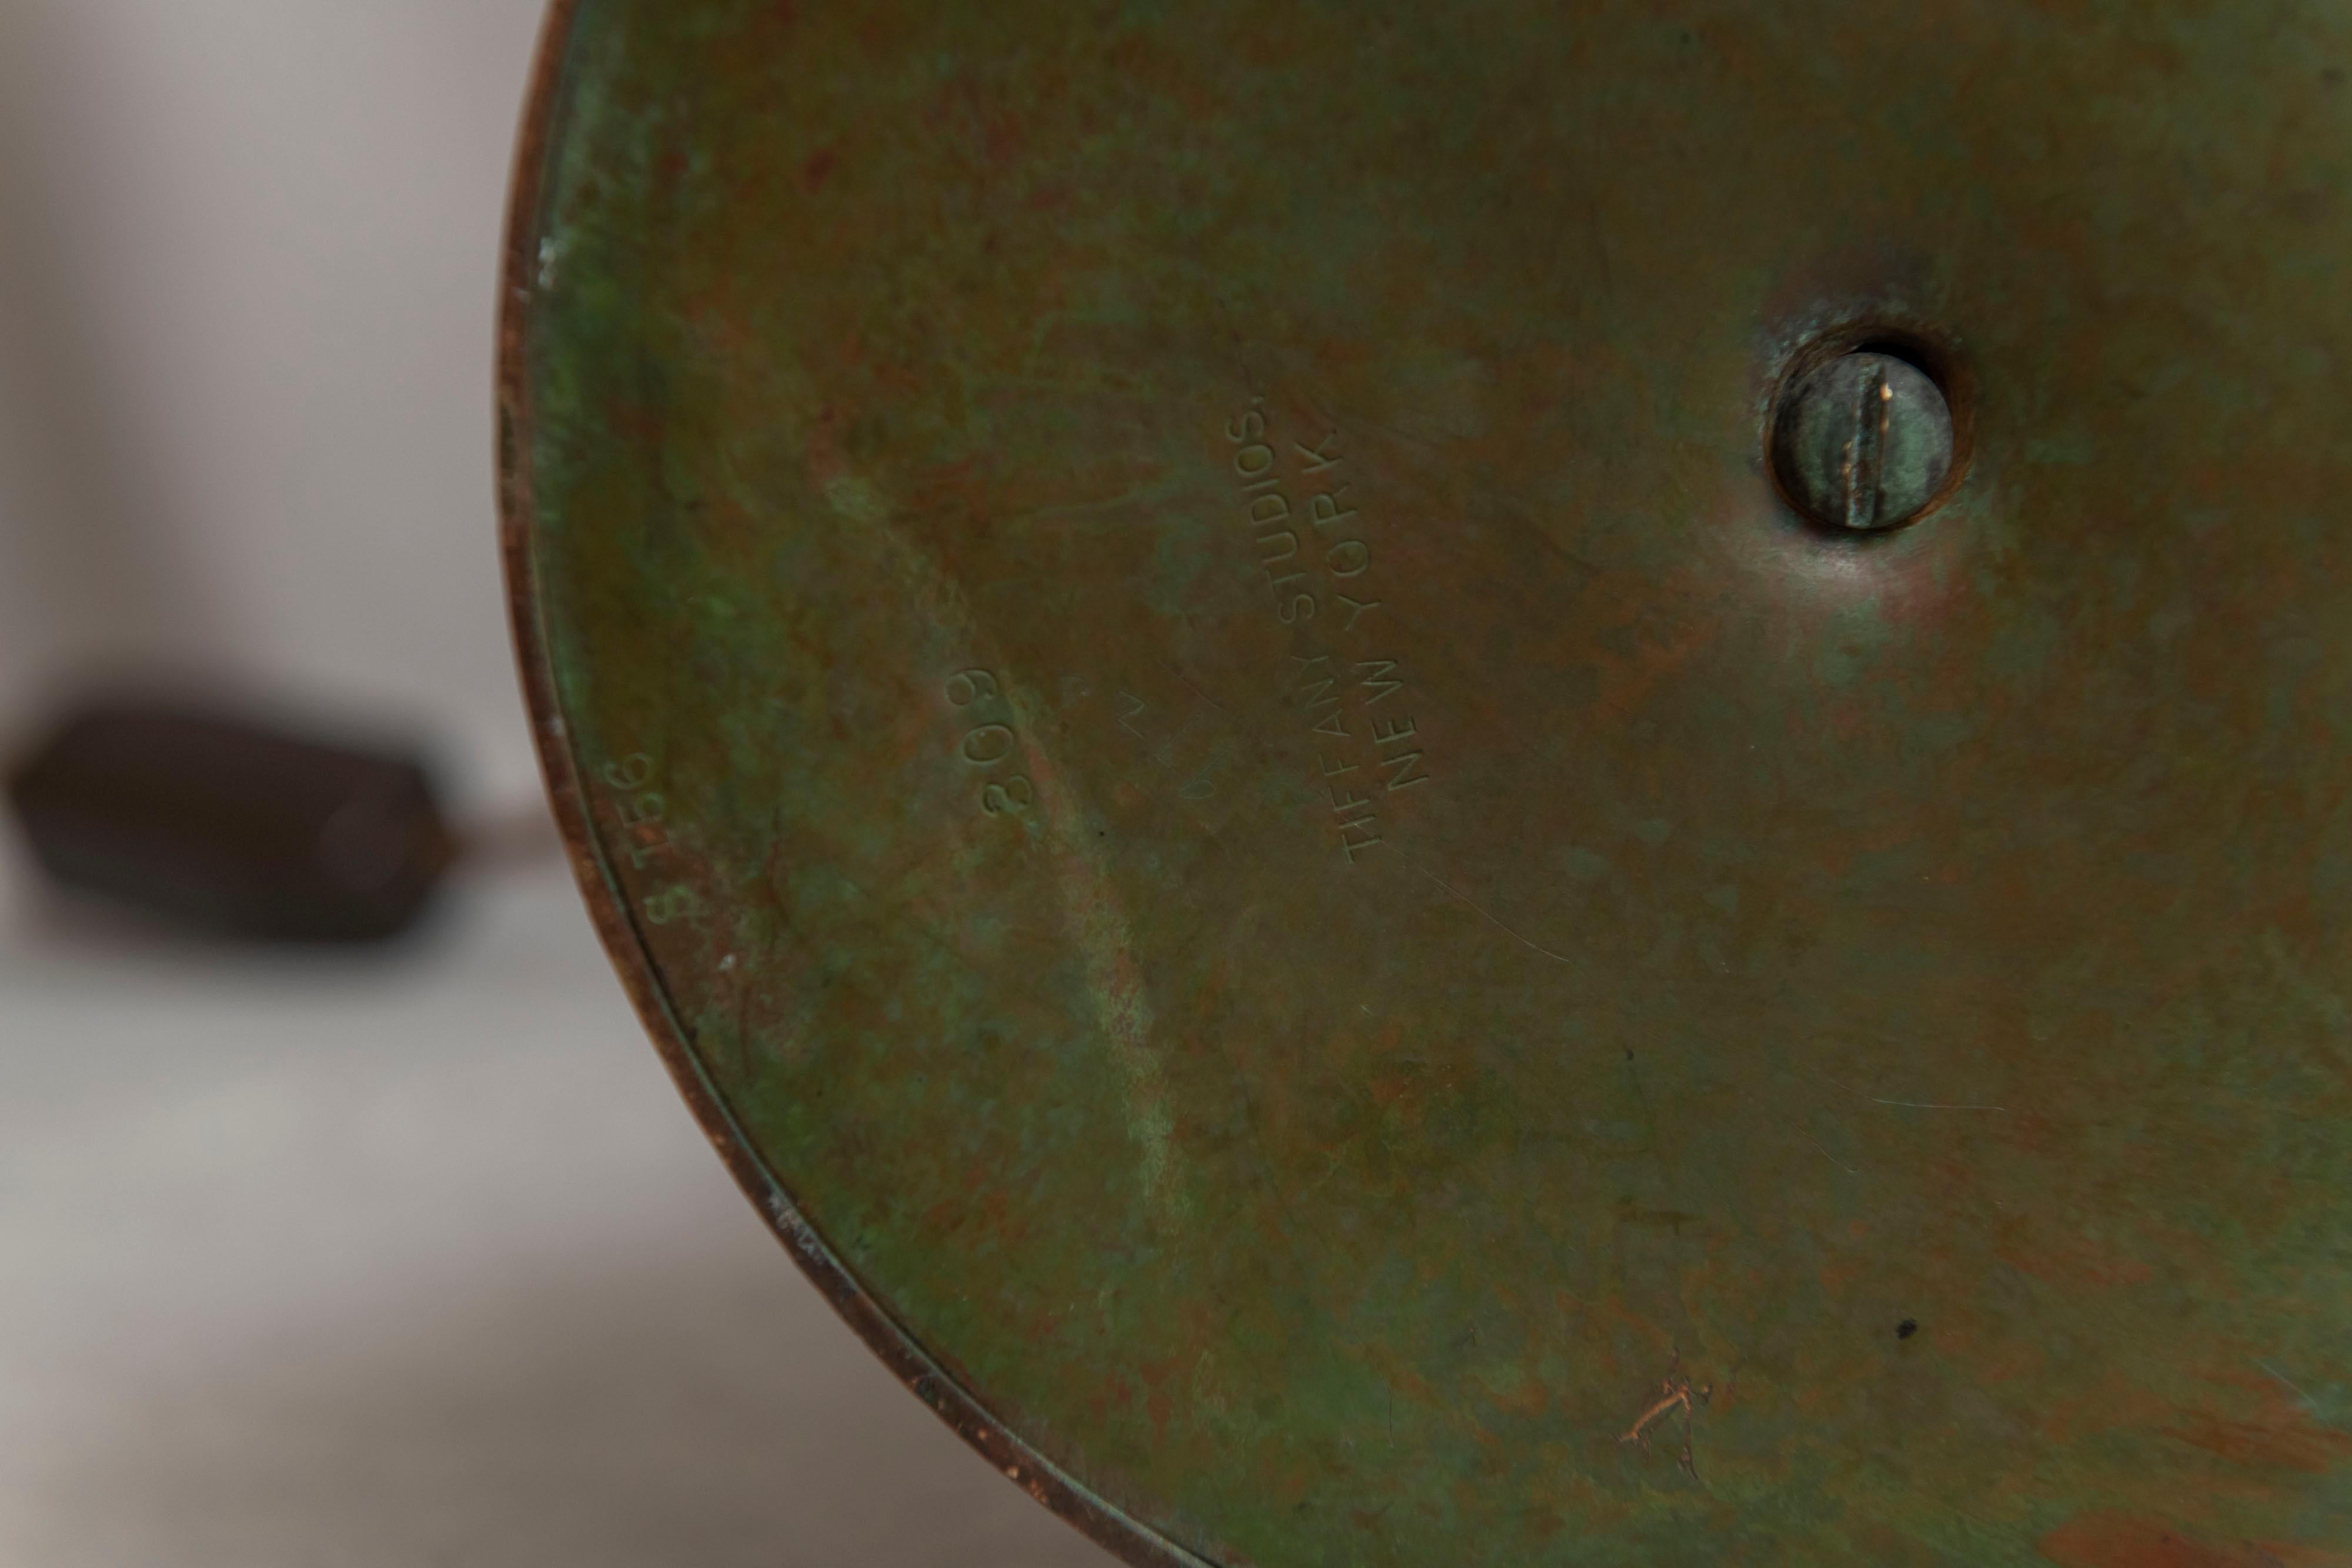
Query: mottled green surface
[{"x": 1777, "y": 940}]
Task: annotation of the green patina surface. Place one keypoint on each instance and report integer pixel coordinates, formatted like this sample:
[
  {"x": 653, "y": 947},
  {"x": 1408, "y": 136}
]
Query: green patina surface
[{"x": 1730, "y": 943}]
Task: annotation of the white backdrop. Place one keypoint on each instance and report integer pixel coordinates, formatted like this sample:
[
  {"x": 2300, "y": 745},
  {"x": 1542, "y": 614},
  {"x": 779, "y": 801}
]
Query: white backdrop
[{"x": 248, "y": 278}]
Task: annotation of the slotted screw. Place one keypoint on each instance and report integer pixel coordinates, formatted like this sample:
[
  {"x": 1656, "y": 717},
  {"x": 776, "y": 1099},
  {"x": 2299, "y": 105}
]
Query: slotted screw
[{"x": 1864, "y": 441}]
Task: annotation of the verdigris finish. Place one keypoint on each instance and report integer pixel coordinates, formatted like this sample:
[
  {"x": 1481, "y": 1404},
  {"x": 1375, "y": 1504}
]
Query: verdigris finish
[{"x": 1186, "y": 690}]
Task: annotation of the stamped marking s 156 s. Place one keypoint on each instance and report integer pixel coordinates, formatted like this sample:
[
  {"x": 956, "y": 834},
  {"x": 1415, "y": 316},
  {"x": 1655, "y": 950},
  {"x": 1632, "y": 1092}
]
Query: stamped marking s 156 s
[{"x": 643, "y": 838}]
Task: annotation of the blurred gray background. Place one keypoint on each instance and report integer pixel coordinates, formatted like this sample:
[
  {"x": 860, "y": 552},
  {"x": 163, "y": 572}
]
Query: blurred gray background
[{"x": 347, "y": 1260}]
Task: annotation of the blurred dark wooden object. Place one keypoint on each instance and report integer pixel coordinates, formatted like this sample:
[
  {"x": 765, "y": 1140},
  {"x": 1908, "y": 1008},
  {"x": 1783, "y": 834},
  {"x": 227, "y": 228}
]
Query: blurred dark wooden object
[{"x": 231, "y": 826}]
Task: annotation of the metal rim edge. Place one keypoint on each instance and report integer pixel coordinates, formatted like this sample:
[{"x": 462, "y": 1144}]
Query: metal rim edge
[{"x": 907, "y": 1361}]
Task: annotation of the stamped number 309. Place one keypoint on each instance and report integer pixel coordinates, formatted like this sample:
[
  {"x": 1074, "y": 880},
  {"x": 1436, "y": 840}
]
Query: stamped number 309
[
  {"x": 645, "y": 835},
  {"x": 991, "y": 745}
]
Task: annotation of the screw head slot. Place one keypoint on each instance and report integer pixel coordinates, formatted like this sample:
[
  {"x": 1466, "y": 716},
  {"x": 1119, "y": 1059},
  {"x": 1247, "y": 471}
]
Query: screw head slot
[{"x": 1864, "y": 441}]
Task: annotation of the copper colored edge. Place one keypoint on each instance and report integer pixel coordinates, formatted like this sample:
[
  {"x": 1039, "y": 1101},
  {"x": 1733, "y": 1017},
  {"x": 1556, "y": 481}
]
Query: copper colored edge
[{"x": 1100, "y": 1521}]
